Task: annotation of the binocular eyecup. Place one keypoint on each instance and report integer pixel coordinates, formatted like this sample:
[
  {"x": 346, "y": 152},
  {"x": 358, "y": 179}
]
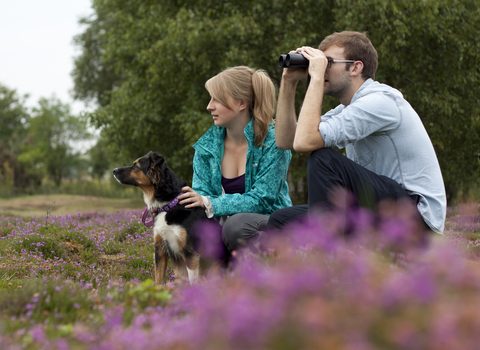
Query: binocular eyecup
[{"x": 293, "y": 60}]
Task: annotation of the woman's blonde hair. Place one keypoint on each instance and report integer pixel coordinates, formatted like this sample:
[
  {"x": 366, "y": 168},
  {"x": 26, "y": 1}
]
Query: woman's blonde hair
[{"x": 254, "y": 87}]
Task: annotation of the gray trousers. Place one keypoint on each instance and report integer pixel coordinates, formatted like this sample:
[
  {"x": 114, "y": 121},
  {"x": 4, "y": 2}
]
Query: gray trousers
[{"x": 242, "y": 229}]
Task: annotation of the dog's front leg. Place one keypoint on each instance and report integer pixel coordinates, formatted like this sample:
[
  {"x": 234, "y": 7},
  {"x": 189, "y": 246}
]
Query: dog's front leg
[
  {"x": 161, "y": 259},
  {"x": 193, "y": 267}
]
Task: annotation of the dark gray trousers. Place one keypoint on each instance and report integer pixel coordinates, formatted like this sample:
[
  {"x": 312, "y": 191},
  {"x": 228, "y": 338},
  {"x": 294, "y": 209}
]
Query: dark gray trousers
[
  {"x": 242, "y": 229},
  {"x": 328, "y": 169}
]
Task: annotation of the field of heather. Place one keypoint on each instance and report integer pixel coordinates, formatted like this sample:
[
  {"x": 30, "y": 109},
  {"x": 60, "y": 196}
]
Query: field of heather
[{"x": 84, "y": 281}]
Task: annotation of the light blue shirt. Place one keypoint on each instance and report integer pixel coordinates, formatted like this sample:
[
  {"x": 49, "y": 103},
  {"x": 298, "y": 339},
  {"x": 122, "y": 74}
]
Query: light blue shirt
[{"x": 383, "y": 133}]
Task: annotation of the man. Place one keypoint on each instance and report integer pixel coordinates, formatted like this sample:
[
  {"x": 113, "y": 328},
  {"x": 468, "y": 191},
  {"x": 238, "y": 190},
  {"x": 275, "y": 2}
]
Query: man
[{"x": 389, "y": 153}]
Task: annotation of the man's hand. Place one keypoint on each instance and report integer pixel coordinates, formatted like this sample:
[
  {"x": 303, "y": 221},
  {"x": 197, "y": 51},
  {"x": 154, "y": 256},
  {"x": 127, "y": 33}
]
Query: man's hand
[
  {"x": 317, "y": 61},
  {"x": 294, "y": 75}
]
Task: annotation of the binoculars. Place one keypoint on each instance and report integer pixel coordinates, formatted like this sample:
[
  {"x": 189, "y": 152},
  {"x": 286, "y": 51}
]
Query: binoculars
[{"x": 293, "y": 60}]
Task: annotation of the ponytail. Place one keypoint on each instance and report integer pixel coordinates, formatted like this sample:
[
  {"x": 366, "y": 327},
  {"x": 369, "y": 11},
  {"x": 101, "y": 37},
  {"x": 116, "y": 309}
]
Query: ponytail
[{"x": 263, "y": 104}]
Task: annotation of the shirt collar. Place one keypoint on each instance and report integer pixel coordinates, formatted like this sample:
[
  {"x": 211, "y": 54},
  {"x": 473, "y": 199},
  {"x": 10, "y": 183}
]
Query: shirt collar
[{"x": 359, "y": 93}]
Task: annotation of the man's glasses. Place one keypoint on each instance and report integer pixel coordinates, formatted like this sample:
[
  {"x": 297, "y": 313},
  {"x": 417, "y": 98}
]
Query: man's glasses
[{"x": 331, "y": 61}]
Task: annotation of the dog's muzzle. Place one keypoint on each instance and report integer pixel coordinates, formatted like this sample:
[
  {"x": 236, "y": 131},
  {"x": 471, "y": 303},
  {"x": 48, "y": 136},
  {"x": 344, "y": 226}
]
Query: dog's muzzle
[{"x": 115, "y": 174}]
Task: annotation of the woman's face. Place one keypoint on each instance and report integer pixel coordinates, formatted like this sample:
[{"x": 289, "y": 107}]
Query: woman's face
[{"x": 222, "y": 115}]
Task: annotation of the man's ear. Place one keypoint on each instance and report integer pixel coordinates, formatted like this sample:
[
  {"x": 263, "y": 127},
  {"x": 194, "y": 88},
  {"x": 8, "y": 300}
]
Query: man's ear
[
  {"x": 155, "y": 158},
  {"x": 357, "y": 68}
]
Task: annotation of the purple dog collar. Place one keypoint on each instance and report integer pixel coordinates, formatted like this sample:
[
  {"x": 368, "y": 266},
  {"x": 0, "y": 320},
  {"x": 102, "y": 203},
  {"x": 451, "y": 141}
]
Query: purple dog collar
[{"x": 158, "y": 211}]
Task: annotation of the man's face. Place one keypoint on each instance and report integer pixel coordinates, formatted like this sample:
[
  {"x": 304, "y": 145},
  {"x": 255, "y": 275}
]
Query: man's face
[{"x": 337, "y": 78}]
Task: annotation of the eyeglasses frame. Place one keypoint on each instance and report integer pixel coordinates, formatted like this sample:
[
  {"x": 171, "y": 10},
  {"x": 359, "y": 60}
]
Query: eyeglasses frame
[{"x": 332, "y": 60}]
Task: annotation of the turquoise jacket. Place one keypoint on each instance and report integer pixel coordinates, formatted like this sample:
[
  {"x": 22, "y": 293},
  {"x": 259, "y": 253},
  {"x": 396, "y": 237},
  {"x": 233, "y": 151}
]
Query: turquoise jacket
[{"x": 266, "y": 188}]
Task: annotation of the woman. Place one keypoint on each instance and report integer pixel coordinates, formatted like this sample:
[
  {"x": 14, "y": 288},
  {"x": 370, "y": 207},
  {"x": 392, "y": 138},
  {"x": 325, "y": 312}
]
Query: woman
[{"x": 239, "y": 173}]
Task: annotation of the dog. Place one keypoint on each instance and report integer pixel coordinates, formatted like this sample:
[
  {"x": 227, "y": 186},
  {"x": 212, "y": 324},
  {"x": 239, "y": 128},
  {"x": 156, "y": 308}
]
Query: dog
[{"x": 174, "y": 226}]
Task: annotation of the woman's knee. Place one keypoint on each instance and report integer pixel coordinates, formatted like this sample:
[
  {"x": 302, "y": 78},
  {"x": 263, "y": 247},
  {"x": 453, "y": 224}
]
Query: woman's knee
[{"x": 240, "y": 228}]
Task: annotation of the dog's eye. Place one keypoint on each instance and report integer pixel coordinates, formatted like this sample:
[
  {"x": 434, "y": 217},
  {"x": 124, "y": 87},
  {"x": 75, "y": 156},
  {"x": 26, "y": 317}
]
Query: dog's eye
[{"x": 134, "y": 167}]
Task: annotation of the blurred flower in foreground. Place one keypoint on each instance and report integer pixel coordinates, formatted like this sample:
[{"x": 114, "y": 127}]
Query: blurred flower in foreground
[
  {"x": 340, "y": 280},
  {"x": 320, "y": 290}
]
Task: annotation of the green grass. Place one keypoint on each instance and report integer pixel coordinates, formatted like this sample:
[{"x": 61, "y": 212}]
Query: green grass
[
  {"x": 61, "y": 303},
  {"x": 63, "y": 270}
]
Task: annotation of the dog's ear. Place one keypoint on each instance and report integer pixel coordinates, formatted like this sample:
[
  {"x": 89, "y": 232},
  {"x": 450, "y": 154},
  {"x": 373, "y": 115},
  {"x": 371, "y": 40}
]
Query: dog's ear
[
  {"x": 155, "y": 158},
  {"x": 155, "y": 170}
]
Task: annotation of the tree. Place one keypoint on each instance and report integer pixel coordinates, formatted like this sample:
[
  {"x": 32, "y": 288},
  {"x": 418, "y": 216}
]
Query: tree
[
  {"x": 94, "y": 77},
  {"x": 165, "y": 51},
  {"x": 99, "y": 159},
  {"x": 13, "y": 127},
  {"x": 13, "y": 118},
  {"x": 49, "y": 146},
  {"x": 162, "y": 52}
]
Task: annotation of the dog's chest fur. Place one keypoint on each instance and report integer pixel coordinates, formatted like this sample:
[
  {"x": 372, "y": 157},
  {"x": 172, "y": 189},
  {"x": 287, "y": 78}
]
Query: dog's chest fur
[{"x": 172, "y": 234}]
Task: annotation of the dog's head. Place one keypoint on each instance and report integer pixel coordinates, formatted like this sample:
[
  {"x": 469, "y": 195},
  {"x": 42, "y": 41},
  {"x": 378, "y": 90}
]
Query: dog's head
[{"x": 152, "y": 175}]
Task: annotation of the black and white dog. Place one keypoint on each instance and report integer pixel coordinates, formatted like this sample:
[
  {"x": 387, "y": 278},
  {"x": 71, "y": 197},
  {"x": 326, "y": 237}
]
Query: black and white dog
[{"x": 174, "y": 226}]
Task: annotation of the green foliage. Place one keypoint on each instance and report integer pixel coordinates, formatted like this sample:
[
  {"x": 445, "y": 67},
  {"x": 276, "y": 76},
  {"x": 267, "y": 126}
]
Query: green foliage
[
  {"x": 13, "y": 118},
  {"x": 162, "y": 52},
  {"x": 147, "y": 293},
  {"x": 99, "y": 159},
  {"x": 94, "y": 78},
  {"x": 142, "y": 296},
  {"x": 48, "y": 147},
  {"x": 13, "y": 128}
]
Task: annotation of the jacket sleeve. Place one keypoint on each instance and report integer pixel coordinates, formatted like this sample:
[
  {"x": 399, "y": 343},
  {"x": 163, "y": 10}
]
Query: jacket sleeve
[
  {"x": 202, "y": 181},
  {"x": 268, "y": 185}
]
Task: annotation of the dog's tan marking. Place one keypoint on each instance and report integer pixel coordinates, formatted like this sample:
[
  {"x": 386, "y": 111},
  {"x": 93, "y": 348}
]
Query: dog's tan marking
[
  {"x": 161, "y": 259},
  {"x": 139, "y": 176},
  {"x": 193, "y": 262},
  {"x": 148, "y": 193},
  {"x": 182, "y": 238},
  {"x": 180, "y": 269},
  {"x": 143, "y": 181}
]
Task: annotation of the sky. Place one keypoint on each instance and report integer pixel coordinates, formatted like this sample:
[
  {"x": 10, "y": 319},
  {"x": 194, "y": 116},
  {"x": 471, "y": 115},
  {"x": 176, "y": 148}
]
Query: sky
[{"x": 36, "y": 47}]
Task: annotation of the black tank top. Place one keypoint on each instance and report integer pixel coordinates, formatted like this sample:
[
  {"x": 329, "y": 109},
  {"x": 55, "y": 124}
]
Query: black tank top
[{"x": 235, "y": 185}]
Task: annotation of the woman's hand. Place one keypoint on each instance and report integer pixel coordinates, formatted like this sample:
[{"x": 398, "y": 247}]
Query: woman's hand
[{"x": 191, "y": 197}]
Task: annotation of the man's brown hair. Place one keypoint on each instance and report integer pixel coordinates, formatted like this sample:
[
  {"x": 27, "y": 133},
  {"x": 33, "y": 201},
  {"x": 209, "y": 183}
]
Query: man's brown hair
[{"x": 357, "y": 47}]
